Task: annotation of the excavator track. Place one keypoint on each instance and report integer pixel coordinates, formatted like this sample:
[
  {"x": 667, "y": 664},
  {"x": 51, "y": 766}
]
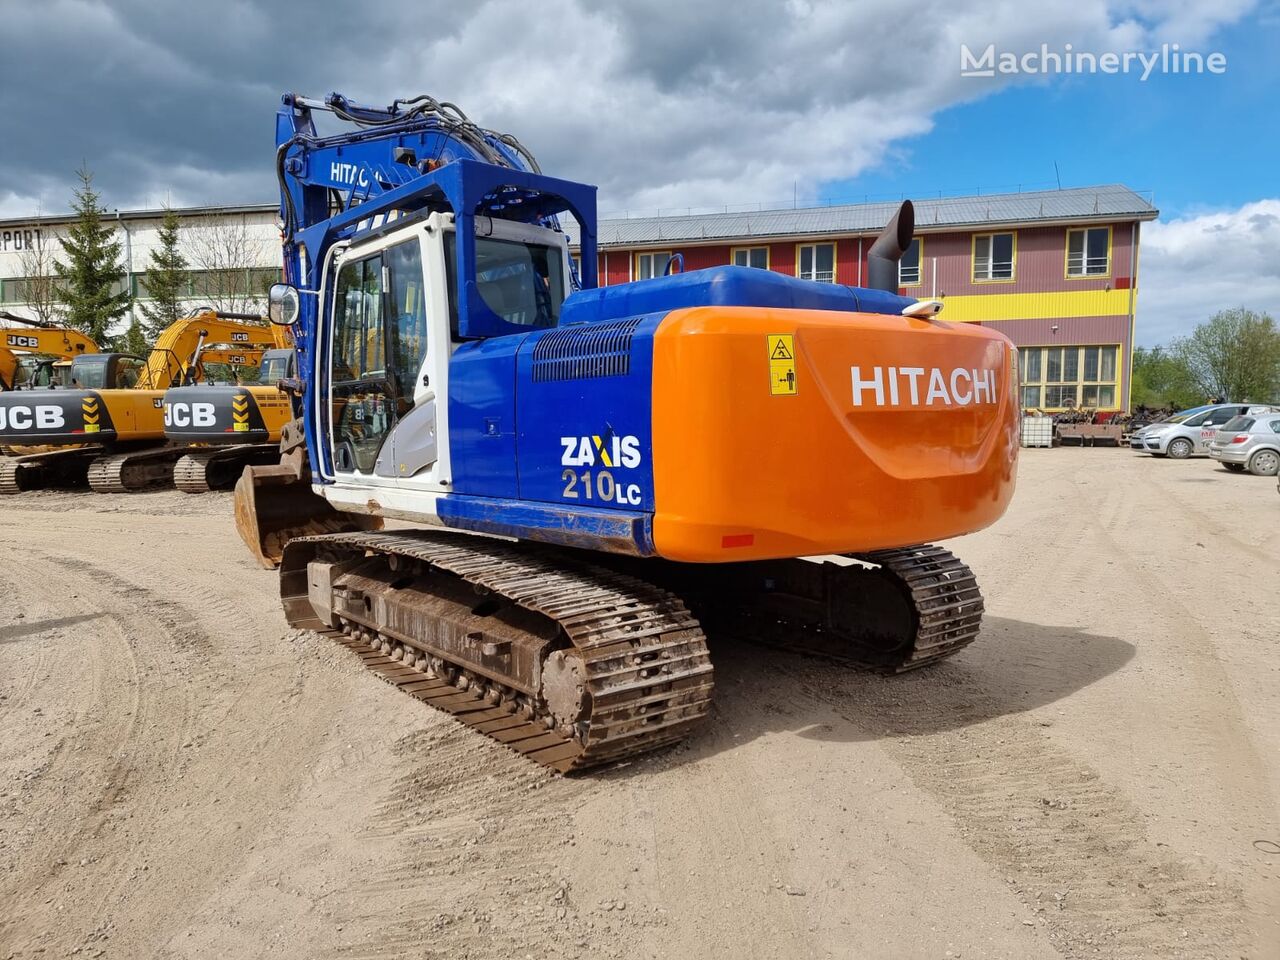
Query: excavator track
[
  {"x": 946, "y": 609},
  {"x": 889, "y": 610},
  {"x": 566, "y": 662},
  {"x": 52, "y": 468},
  {"x": 218, "y": 468},
  {"x": 135, "y": 470},
  {"x": 11, "y": 480}
]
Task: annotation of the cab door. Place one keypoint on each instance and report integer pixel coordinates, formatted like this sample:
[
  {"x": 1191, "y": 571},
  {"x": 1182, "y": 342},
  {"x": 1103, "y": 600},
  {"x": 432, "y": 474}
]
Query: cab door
[{"x": 377, "y": 350}]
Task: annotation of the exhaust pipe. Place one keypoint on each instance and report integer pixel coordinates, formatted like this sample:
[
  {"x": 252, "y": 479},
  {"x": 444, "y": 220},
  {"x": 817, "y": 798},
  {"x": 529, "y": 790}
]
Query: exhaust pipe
[{"x": 882, "y": 260}]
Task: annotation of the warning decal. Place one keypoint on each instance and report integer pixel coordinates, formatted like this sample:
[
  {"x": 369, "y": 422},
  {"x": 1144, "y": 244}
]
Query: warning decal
[{"x": 782, "y": 364}]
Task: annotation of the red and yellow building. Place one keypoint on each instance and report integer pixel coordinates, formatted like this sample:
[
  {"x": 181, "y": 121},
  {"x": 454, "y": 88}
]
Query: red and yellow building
[{"x": 1055, "y": 270}]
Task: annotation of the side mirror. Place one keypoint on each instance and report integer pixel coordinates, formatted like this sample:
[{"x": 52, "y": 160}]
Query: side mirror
[{"x": 283, "y": 304}]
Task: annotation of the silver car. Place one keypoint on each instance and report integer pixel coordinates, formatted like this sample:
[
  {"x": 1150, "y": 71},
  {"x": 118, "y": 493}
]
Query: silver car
[
  {"x": 1187, "y": 433},
  {"x": 1249, "y": 443}
]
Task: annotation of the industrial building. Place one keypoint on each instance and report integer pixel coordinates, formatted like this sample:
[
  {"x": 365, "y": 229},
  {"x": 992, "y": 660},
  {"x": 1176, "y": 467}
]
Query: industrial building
[
  {"x": 233, "y": 253},
  {"x": 1055, "y": 270}
]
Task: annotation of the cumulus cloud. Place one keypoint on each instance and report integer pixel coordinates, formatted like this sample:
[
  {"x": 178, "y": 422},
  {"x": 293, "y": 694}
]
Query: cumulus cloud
[
  {"x": 661, "y": 104},
  {"x": 1193, "y": 267}
]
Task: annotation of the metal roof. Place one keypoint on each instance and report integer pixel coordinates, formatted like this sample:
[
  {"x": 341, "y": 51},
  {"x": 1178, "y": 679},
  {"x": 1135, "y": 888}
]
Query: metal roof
[
  {"x": 1110, "y": 202},
  {"x": 152, "y": 214}
]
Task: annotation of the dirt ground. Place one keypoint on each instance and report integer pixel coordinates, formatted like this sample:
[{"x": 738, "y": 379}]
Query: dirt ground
[{"x": 182, "y": 776}]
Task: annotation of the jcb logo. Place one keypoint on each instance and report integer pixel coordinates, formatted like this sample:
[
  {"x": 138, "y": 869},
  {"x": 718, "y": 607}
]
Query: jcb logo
[
  {"x": 189, "y": 415},
  {"x": 18, "y": 340},
  {"x": 239, "y": 337},
  {"x": 40, "y": 417}
]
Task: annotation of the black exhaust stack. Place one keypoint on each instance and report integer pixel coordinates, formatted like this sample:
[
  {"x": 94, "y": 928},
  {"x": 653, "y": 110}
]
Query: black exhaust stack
[{"x": 882, "y": 260}]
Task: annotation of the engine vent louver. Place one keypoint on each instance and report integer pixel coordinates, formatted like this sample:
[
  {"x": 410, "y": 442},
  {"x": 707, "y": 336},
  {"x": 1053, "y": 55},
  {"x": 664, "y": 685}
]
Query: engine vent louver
[{"x": 585, "y": 351}]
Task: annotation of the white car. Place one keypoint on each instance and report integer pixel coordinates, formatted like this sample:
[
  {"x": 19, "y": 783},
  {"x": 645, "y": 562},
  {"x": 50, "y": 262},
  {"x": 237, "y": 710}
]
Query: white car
[{"x": 1188, "y": 433}]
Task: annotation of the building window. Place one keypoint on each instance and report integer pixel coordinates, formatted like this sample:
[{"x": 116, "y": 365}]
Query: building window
[
  {"x": 751, "y": 257},
  {"x": 816, "y": 261},
  {"x": 1089, "y": 252},
  {"x": 909, "y": 265},
  {"x": 1058, "y": 378},
  {"x": 993, "y": 255},
  {"x": 650, "y": 265}
]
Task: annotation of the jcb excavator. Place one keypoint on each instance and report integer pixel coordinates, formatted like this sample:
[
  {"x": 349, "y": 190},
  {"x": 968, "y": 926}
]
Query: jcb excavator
[
  {"x": 239, "y": 424},
  {"x": 641, "y": 460},
  {"x": 107, "y": 425},
  {"x": 26, "y": 355}
]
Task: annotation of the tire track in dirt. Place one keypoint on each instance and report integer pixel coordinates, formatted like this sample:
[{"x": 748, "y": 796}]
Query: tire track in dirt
[
  {"x": 121, "y": 766},
  {"x": 1071, "y": 847},
  {"x": 140, "y": 747},
  {"x": 462, "y": 805}
]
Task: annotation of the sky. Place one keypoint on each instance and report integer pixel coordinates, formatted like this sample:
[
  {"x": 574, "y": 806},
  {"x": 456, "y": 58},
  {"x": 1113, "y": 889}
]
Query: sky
[{"x": 668, "y": 106}]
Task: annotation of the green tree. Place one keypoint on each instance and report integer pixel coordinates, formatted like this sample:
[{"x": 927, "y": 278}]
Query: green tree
[
  {"x": 134, "y": 340},
  {"x": 1163, "y": 380},
  {"x": 166, "y": 279},
  {"x": 92, "y": 273},
  {"x": 1234, "y": 356}
]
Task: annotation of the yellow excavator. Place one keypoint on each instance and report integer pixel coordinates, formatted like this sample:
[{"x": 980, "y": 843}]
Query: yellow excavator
[
  {"x": 28, "y": 356},
  {"x": 238, "y": 425},
  {"x": 106, "y": 426}
]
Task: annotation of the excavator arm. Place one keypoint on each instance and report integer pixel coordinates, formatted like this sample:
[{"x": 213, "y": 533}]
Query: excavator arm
[
  {"x": 60, "y": 342},
  {"x": 195, "y": 339}
]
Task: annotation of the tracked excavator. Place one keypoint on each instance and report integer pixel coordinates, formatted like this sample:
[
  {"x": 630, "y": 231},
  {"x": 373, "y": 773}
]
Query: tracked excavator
[
  {"x": 602, "y": 477},
  {"x": 236, "y": 425},
  {"x": 106, "y": 427},
  {"x": 28, "y": 354}
]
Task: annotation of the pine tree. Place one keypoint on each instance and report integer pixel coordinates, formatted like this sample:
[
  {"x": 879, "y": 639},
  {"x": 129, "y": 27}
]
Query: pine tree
[
  {"x": 93, "y": 269},
  {"x": 134, "y": 340},
  {"x": 166, "y": 278}
]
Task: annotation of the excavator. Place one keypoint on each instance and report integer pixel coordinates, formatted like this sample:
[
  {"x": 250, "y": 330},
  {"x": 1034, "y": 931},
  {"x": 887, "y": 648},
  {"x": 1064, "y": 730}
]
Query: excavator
[
  {"x": 600, "y": 477},
  {"x": 106, "y": 426},
  {"x": 237, "y": 425},
  {"x": 27, "y": 355}
]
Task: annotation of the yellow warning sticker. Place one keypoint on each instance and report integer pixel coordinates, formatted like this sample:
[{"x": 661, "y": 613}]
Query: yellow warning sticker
[{"x": 782, "y": 364}]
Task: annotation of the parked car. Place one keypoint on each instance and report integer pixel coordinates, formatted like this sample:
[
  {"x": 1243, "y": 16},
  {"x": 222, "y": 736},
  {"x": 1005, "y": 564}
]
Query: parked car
[
  {"x": 1249, "y": 443},
  {"x": 1188, "y": 432}
]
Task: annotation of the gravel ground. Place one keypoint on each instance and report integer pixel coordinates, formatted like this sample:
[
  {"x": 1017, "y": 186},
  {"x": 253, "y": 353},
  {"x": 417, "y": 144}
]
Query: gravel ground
[{"x": 181, "y": 775}]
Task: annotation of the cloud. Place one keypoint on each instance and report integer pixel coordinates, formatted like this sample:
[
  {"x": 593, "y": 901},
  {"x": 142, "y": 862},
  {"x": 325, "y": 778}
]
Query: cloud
[
  {"x": 661, "y": 104},
  {"x": 1193, "y": 267}
]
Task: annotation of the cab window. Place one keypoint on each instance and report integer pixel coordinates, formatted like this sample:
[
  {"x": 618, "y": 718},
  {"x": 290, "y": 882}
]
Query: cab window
[
  {"x": 358, "y": 347},
  {"x": 522, "y": 283},
  {"x": 1196, "y": 421},
  {"x": 92, "y": 376},
  {"x": 407, "y": 320},
  {"x": 129, "y": 370},
  {"x": 362, "y": 411}
]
